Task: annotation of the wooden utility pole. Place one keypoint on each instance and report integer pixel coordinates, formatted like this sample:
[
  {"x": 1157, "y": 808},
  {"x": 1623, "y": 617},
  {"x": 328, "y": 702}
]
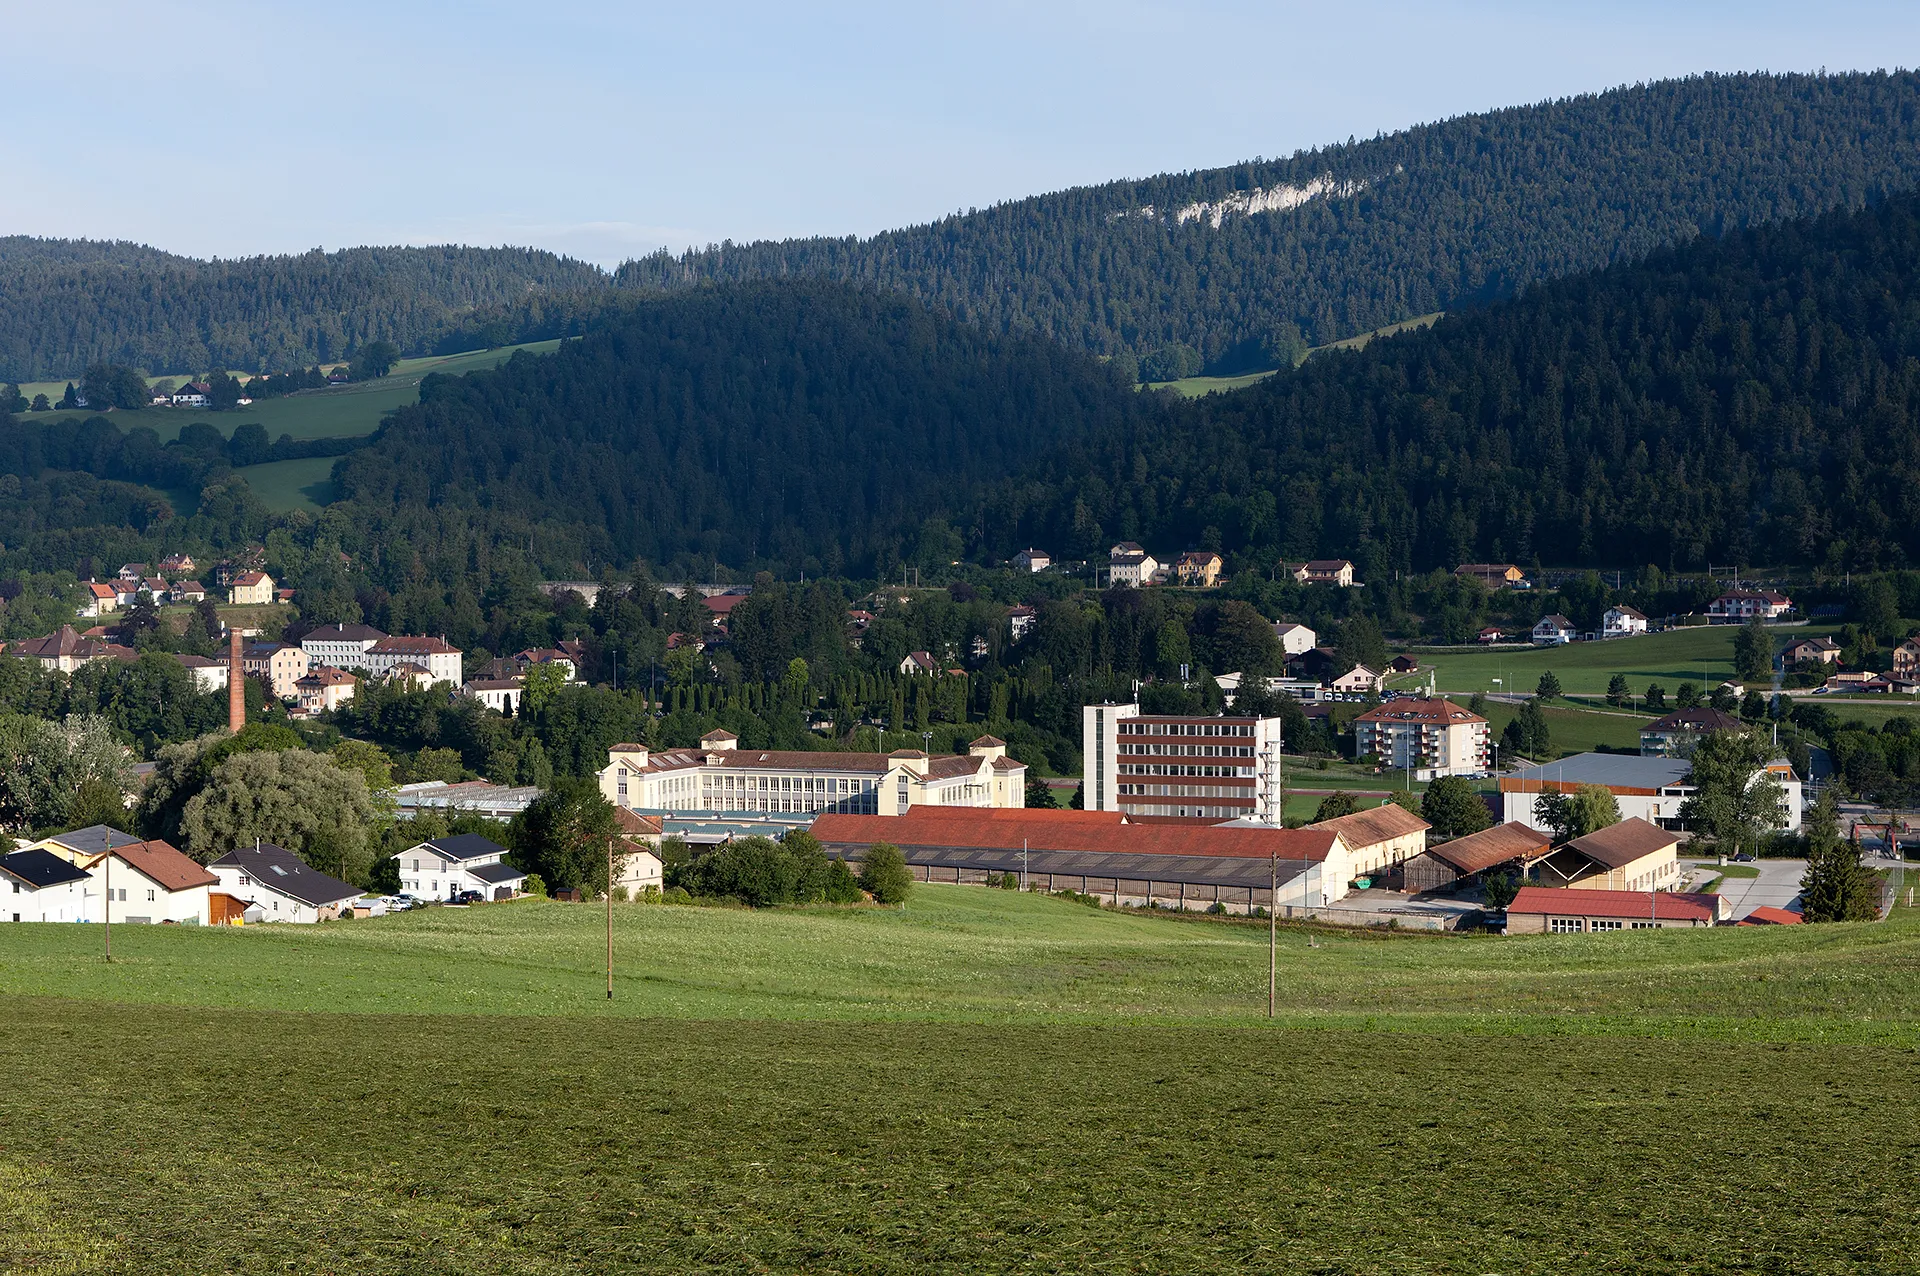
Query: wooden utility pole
[
  {"x": 106, "y": 906},
  {"x": 609, "y": 918},
  {"x": 1273, "y": 933}
]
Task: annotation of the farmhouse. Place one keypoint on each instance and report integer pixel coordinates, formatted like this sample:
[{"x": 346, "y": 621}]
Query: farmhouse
[
  {"x": 447, "y": 866},
  {"x": 718, "y": 776},
  {"x": 1541, "y": 910},
  {"x": 1337, "y": 572},
  {"x": 1378, "y": 838},
  {"x": 38, "y": 886},
  {"x": 1622, "y": 622},
  {"x": 284, "y": 887}
]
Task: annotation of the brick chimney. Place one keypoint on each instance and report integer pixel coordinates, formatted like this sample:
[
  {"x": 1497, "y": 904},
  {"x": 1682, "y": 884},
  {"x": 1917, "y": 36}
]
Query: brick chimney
[{"x": 236, "y": 684}]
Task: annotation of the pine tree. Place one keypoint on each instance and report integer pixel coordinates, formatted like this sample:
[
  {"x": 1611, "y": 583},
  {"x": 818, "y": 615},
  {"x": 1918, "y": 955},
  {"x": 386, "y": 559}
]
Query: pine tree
[{"x": 1836, "y": 886}]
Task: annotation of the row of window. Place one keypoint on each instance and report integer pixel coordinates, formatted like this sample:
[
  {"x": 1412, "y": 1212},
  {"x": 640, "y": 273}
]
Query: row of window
[
  {"x": 1186, "y": 750},
  {"x": 1187, "y": 790},
  {"x": 1242, "y": 729},
  {"x": 1574, "y": 925},
  {"x": 1186, "y": 812},
  {"x": 1176, "y": 768}
]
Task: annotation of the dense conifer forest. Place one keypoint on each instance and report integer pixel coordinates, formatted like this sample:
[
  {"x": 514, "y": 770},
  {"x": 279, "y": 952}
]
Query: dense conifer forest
[
  {"x": 1422, "y": 220},
  {"x": 1232, "y": 268}
]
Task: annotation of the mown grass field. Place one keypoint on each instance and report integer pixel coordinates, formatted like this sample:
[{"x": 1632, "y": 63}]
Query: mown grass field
[
  {"x": 1194, "y": 387},
  {"x": 1576, "y": 730},
  {"x": 305, "y": 484},
  {"x": 1584, "y": 668},
  {"x": 985, "y": 1082}
]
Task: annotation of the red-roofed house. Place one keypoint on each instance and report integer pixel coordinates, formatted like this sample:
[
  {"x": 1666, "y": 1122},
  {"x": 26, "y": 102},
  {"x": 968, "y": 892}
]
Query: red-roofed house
[
  {"x": 250, "y": 589},
  {"x": 1767, "y": 915},
  {"x": 441, "y": 659}
]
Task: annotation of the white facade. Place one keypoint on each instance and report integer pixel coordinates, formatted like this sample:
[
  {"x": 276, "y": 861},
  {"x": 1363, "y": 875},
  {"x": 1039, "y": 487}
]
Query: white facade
[
  {"x": 1033, "y": 560},
  {"x": 718, "y": 776},
  {"x": 208, "y": 674},
  {"x": 502, "y": 695},
  {"x": 21, "y": 901},
  {"x": 129, "y": 897},
  {"x": 1177, "y": 767},
  {"x": 442, "y": 661},
  {"x": 342, "y": 646},
  {"x": 1295, "y": 640},
  {"x": 1622, "y": 622},
  {"x": 446, "y": 867},
  {"x": 284, "y": 888},
  {"x": 1650, "y": 788},
  {"x": 638, "y": 870},
  {"x": 1431, "y": 738},
  {"x": 1129, "y": 564},
  {"x": 1553, "y": 631}
]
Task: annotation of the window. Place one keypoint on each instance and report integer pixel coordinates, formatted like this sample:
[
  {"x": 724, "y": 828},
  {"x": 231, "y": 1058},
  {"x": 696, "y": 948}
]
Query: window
[
  {"x": 248, "y": 881},
  {"x": 149, "y": 897},
  {"x": 1646, "y": 925},
  {"x": 1604, "y": 925},
  {"x": 1563, "y": 925}
]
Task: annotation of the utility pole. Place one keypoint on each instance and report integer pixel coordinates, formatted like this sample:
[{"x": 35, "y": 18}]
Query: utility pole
[
  {"x": 1023, "y": 863},
  {"x": 610, "y": 838},
  {"x": 1273, "y": 932},
  {"x": 106, "y": 907}
]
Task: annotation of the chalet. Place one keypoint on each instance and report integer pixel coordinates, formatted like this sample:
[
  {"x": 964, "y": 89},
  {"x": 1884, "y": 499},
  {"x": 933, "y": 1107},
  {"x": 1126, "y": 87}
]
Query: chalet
[
  {"x": 251, "y": 589},
  {"x": 1129, "y": 564},
  {"x": 178, "y": 565},
  {"x": 1738, "y": 606},
  {"x": 1403, "y": 665},
  {"x": 1622, "y": 622},
  {"x": 448, "y": 866},
  {"x": 1033, "y": 560},
  {"x": 187, "y": 591},
  {"x": 194, "y": 394},
  {"x": 1554, "y": 631},
  {"x": 38, "y": 886},
  {"x": 1197, "y": 569},
  {"x": 1337, "y": 572},
  {"x": 920, "y": 662},
  {"x": 1542, "y": 910},
  {"x": 1492, "y": 575},
  {"x": 1294, "y": 639},
  {"x": 133, "y": 573},
  {"x": 1675, "y": 735},
  {"x": 281, "y": 884}
]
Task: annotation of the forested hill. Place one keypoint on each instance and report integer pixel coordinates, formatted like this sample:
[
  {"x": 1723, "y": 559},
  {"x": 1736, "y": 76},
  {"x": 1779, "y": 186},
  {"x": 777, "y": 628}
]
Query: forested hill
[
  {"x": 807, "y": 425},
  {"x": 1356, "y": 236},
  {"x": 66, "y": 304},
  {"x": 1749, "y": 400}
]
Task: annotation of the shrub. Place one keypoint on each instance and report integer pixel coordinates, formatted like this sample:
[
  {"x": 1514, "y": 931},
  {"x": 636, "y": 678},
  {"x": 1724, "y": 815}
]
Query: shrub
[
  {"x": 841, "y": 886},
  {"x": 1217, "y": 908},
  {"x": 534, "y": 885},
  {"x": 884, "y": 874},
  {"x": 619, "y": 894},
  {"x": 675, "y": 895}
]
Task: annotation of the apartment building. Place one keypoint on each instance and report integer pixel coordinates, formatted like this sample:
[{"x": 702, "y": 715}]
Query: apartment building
[
  {"x": 1431, "y": 738},
  {"x": 281, "y": 665},
  {"x": 1129, "y": 564},
  {"x": 1169, "y": 767},
  {"x": 441, "y": 659},
  {"x": 342, "y": 646},
  {"x": 719, "y": 776}
]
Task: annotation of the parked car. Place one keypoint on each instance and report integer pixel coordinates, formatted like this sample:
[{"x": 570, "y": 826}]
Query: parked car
[
  {"x": 1742, "y": 857},
  {"x": 469, "y": 897},
  {"x": 404, "y": 901}
]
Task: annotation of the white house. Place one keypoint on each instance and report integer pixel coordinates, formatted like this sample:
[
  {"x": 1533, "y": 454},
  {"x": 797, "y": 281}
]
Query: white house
[
  {"x": 38, "y": 886},
  {"x": 919, "y": 662},
  {"x": 502, "y": 695},
  {"x": 1337, "y": 572},
  {"x": 1737, "y": 605},
  {"x": 282, "y": 884},
  {"x": 1033, "y": 560},
  {"x": 1553, "y": 631},
  {"x": 1622, "y": 622},
  {"x": 637, "y": 867},
  {"x": 149, "y": 883},
  {"x": 441, "y": 659},
  {"x": 1020, "y": 620},
  {"x": 1295, "y": 640},
  {"x": 1129, "y": 564},
  {"x": 1358, "y": 679},
  {"x": 208, "y": 674},
  {"x": 447, "y": 866}
]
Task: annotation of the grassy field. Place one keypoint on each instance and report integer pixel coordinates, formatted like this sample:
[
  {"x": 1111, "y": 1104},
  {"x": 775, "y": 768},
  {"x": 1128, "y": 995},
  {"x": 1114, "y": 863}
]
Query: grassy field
[
  {"x": 1577, "y": 730},
  {"x": 1669, "y": 658},
  {"x": 305, "y": 484},
  {"x": 1194, "y": 387},
  {"x": 984, "y": 1082}
]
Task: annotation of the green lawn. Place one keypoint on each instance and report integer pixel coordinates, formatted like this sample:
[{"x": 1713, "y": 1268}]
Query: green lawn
[
  {"x": 305, "y": 484},
  {"x": 1576, "y": 730},
  {"x": 1194, "y": 387},
  {"x": 1669, "y": 658},
  {"x": 987, "y": 1082}
]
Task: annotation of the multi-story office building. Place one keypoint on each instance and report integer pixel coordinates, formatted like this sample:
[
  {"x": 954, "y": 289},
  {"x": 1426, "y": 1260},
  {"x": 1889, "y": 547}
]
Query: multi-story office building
[
  {"x": 719, "y": 776},
  {"x": 1197, "y": 769},
  {"x": 342, "y": 646}
]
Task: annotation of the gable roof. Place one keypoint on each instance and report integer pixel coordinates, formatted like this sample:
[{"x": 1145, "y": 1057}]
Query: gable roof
[
  {"x": 1373, "y": 825},
  {"x": 499, "y": 874},
  {"x": 165, "y": 865},
  {"x": 1621, "y": 609},
  {"x": 41, "y": 868},
  {"x": 1767, "y": 915},
  {"x": 1478, "y": 852},
  {"x": 1626, "y": 905},
  {"x": 634, "y": 824},
  {"x": 413, "y": 646},
  {"x": 1699, "y": 718},
  {"x": 465, "y": 846},
  {"x": 1556, "y": 621},
  {"x": 1618, "y": 845},
  {"x": 1438, "y": 711},
  {"x": 1099, "y": 831},
  {"x": 279, "y": 870},
  {"x": 92, "y": 840}
]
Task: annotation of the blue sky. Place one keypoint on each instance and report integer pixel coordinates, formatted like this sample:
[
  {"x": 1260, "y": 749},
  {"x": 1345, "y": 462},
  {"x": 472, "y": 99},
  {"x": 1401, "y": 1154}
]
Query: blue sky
[{"x": 606, "y": 130}]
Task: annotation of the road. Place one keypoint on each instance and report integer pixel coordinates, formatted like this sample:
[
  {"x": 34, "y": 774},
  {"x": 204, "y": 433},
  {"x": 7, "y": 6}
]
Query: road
[{"x": 1778, "y": 885}]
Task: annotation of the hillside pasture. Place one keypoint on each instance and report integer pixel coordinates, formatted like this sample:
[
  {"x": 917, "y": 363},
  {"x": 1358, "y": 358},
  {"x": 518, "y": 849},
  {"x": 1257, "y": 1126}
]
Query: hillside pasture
[
  {"x": 1584, "y": 668},
  {"x": 985, "y": 1081}
]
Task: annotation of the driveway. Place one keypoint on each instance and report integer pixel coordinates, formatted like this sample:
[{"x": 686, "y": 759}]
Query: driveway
[{"x": 1778, "y": 885}]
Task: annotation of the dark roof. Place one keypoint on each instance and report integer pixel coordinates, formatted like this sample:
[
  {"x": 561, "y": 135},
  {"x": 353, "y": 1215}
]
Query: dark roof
[
  {"x": 1374, "y": 825},
  {"x": 344, "y": 633},
  {"x": 281, "y": 871},
  {"x": 465, "y": 846},
  {"x": 1097, "y": 832},
  {"x": 40, "y": 869},
  {"x": 1501, "y": 844},
  {"x": 93, "y": 839},
  {"x": 498, "y": 874},
  {"x": 1700, "y": 719},
  {"x": 1618, "y": 845}
]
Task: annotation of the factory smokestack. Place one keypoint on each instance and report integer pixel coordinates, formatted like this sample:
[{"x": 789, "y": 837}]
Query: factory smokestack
[{"x": 236, "y": 684}]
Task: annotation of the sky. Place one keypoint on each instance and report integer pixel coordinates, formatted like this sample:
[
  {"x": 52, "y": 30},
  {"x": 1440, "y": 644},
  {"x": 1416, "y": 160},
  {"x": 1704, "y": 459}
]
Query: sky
[{"x": 607, "y": 130}]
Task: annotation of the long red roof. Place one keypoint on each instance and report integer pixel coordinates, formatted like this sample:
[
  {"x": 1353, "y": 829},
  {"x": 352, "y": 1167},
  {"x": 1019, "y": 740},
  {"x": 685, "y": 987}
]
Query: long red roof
[{"x": 990, "y": 829}]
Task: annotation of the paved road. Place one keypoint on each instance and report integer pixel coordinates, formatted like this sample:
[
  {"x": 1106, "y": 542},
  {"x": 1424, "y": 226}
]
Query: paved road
[{"x": 1778, "y": 885}]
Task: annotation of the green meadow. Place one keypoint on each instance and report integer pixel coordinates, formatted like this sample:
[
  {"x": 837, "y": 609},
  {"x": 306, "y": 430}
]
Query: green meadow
[
  {"x": 984, "y": 1082},
  {"x": 1584, "y": 668}
]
